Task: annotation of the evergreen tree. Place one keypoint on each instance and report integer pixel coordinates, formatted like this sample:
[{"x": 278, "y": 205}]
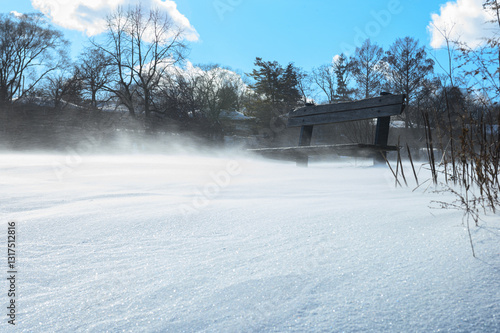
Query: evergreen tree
[
  {"x": 276, "y": 90},
  {"x": 341, "y": 69}
]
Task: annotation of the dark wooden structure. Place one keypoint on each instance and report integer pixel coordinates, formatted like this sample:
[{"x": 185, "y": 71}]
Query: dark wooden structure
[{"x": 382, "y": 108}]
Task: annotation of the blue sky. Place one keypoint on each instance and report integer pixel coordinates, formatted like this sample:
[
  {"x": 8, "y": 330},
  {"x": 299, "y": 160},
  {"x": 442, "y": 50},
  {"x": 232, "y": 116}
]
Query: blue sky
[{"x": 309, "y": 33}]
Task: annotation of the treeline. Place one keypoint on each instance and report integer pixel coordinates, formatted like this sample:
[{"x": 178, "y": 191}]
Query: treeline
[{"x": 138, "y": 67}]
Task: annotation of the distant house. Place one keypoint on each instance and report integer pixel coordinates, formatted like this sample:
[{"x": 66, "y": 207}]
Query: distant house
[{"x": 239, "y": 129}]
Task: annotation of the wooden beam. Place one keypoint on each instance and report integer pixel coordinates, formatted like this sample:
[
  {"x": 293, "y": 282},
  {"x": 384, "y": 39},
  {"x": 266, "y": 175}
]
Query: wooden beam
[
  {"x": 305, "y": 135},
  {"x": 304, "y": 140},
  {"x": 349, "y": 106},
  {"x": 382, "y": 137},
  {"x": 292, "y": 153},
  {"x": 382, "y": 108},
  {"x": 344, "y": 116}
]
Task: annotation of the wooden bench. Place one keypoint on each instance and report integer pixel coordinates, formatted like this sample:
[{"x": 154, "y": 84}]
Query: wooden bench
[{"x": 382, "y": 108}]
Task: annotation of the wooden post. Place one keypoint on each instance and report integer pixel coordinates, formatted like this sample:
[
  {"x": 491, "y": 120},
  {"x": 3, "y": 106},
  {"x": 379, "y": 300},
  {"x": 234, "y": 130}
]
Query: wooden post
[
  {"x": 382, "y": 137},
  {"x": 304, "y": 140}
]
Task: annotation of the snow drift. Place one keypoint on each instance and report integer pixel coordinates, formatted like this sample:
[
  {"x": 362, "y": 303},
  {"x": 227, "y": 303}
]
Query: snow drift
[{"x": 186, "y": 243}]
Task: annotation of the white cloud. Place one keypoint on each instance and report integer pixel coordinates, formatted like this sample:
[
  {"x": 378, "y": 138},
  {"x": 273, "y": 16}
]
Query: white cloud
[
  {"x": 463, "y": 20},
  {"x": 16, "y": 14},
  {"x": 217, "y": 75},
  {"x": 89, "y": 15}
]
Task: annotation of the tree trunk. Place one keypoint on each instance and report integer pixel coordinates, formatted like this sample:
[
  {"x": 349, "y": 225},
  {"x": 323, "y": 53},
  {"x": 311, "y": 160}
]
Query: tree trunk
[{"x": 94, "y": 102}]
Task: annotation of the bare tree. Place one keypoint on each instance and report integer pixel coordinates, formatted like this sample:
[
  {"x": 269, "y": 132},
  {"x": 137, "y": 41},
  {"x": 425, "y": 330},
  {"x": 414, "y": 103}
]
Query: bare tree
[
  {"x": 117, "y": 47},
  {"x": 29, "y": 49},
  {"x": 446, "y": 32},
  {"x": 494, "y": 42},
  {"x": 141, "y": 46},
  {"x": 366, "y": 69},
  {"x": 62, "y": 87},
  {"x": 324, "y": 76},
  {"x": 217, "y": 89},
  {"x": 177, "y": 98},
  {"x": 481, "y": 65},
  {"x": 407, "y": 67},
  {"x": 95, "y": 73},
  {"x": 304, "y": 80}
]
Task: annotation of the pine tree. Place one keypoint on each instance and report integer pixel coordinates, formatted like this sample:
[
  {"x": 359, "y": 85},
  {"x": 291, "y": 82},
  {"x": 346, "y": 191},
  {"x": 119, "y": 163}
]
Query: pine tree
[
  {"x": 276, "y": 89},
  {"x": 341, "y": 68}
]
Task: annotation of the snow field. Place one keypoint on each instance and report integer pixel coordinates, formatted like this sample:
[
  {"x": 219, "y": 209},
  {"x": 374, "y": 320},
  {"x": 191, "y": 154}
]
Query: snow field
[{"x": 272, "y": 247}]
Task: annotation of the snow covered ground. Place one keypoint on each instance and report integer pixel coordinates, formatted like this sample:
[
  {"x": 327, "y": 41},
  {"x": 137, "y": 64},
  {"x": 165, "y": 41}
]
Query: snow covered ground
[{"x": 194, "y": 243}]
